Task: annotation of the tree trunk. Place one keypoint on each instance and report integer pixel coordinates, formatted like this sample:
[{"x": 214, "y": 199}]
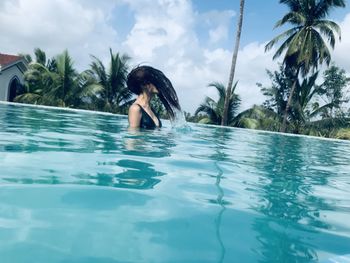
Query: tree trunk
[
  {"x": 233, "y": 64},
  {"x": 289, "y": 102},
  {"x": 284, "y": 123}
]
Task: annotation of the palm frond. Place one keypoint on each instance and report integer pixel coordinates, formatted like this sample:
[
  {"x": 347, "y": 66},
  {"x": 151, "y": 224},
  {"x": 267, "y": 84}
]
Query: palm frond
[
  {"x": 324, "y": 6},
  {"x": 328, "y": 29},
  {"x": 285, "y": 34},
  {"x": 293, "y": 5},
  {"x": 285, "y": 45},
  {"x": 293, "y": 18},
  {"x": 30, "y": 98},
  {"x": 219, "y": 87},
  {"x": 321, "y": 48},
  {"x": 40, "y": 56},
  {"x": 210, "y": 112},
  {"x": 99, "y": 70}
]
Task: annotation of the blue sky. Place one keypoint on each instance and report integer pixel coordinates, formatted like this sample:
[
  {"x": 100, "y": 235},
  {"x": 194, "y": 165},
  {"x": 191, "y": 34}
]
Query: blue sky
[
  {"x": 259, "y": 18},
  {"x": 190, "y": 40}
]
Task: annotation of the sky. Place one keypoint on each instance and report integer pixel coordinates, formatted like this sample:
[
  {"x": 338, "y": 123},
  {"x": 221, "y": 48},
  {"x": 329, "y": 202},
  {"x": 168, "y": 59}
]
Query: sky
[{"x": 191, "y": 41}]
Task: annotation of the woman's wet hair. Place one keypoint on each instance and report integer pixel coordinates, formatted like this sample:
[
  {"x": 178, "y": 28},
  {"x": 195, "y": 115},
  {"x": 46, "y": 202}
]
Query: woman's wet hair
[{"x": 144, "y": 75}]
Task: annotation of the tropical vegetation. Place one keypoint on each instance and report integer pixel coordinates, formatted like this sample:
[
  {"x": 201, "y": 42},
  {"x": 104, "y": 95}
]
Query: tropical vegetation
[
  {"x": 56, "y": 82},
  {"x": 305, "y": 45},
  {"x": 214, "y": 109},
  {"x": 113, "y": 95},
  {"x": 314, "y": 106},
  {"x": 302, "y": 96}
]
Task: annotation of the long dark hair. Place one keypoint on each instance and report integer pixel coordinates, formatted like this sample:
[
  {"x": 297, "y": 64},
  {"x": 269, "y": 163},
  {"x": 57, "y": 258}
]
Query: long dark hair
[{"x": 143, "y": 75}]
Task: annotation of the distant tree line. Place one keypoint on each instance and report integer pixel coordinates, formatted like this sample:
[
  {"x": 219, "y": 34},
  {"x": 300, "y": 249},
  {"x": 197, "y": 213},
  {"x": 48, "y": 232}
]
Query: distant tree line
[
  {"x": 316, "y": 109},
  {"x": 297, "y": 101},
  {"x": 56, "y": 82}
]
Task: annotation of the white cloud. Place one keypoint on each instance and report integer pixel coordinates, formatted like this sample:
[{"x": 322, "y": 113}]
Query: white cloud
[
  {"x": 158, "y": 25},
  {"x": 80, "y": 26},
  {"x": 167, "y": 34},
  {"x": 164, "y": 35},
  {"x": 252, "y": 63},
  {"x": 341, "y": 54},
  {"x": 218, "y": 34},
  {"x": 218, "y": 23}
]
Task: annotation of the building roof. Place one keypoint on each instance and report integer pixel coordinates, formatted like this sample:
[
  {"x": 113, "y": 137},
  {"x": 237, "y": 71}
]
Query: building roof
[{"x": 8, "y": 59}]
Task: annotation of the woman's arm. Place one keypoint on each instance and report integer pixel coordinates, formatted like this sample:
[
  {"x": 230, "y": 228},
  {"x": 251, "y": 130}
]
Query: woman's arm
[{"x": 134, "y": 116}]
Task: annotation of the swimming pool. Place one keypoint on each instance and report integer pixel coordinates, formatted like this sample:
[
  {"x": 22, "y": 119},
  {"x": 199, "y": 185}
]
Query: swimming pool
[{"x": 79, "y": 187}]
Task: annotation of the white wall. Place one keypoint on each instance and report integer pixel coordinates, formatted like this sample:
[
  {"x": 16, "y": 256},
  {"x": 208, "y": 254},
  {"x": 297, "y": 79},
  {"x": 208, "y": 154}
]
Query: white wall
[{"x": 5, "y": 78}]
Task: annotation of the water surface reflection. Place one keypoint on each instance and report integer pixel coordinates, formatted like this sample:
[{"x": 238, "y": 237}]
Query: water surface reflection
[{"x": 78, "y": 187}]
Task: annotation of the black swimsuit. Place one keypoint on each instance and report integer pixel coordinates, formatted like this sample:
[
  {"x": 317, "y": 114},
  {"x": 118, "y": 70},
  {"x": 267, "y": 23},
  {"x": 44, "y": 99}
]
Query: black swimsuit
[{"x": 146, "y": 121}]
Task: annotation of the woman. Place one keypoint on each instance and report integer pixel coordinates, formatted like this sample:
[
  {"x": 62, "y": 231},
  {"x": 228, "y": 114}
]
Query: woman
[{"x": 146, "y": 82}]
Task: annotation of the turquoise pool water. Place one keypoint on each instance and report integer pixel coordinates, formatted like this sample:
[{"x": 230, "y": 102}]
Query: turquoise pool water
[{"x": 78, "y": 187}]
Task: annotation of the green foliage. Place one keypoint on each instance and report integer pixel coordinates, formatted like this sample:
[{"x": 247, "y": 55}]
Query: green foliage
[
  {"x": 38, "y": 80},
  {"x": 55, "y": 82},
  {"x": 27, "y": 57},
  {"x": 306, "y": 43},
  {"x": 205, "y": 120},
  {"x": 314, "y": 110},
  {"x": 200, "y": 118},
  {"x": 329, "y": 127},
  {"x": 305, "y": 105},
  {"x": 214, "y": 110},
  {"x": 260, "y": 118},
  {"x": 277, "y": 94},
  {"x": 113, "y": 96},
  {"x": 331, "y": 92},
  {"x": 302, "y": 109},
  {"x": 40, "y": 56},
  {"x": 343, "y": 134},
  {"x": 334, "y": 89}
]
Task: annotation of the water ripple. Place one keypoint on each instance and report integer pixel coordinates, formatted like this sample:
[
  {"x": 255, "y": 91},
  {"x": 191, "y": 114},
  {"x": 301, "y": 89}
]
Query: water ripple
[{"x": 287, "y": 195}]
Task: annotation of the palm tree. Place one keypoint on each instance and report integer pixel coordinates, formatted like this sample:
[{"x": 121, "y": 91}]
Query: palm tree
[
  {"x": 56, "y": 82},
  {"x": 215, "y": 109},
  {"x": 259, "y": 118},
  {"x": 304, "y": 47},
  {"x": 277, "y": 94},
  {"x": 38, "y": 80},
  {"x": 333, "y": 90},
  {"x": 114, "y": 94},
  {"x": 305, "y": 92},
  {"x": 229, "y": 89},
  {"x": 305, "y": 104},
  {"x": 64, "y": 79},
  {"x": 40, "y": 56},
  {"x": 304, "y": 107},
  {"x": 329, "y": 127}
]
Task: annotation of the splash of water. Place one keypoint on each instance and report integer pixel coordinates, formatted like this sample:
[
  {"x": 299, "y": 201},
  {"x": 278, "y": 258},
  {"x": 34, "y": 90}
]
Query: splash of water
[{"x": 179, "y": 123}]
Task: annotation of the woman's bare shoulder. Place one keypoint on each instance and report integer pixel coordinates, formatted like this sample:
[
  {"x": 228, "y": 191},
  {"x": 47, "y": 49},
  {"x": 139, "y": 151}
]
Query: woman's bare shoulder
[
  {"x": 134, "y": 116},
  {"x": 134, "y": 108}
]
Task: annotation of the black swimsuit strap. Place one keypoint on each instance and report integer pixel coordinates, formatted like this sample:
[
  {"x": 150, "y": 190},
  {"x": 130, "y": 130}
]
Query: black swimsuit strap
[{"x": 147, "y": 121}]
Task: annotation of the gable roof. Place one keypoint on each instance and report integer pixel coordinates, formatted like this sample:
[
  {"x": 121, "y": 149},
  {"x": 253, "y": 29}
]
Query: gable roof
[{"x": 7, "y": 61}]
